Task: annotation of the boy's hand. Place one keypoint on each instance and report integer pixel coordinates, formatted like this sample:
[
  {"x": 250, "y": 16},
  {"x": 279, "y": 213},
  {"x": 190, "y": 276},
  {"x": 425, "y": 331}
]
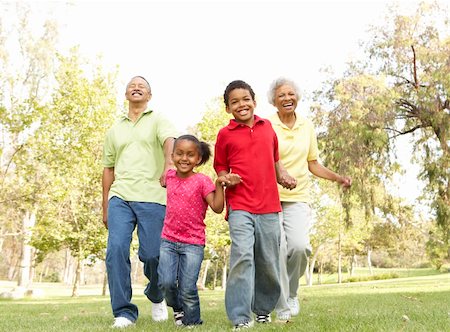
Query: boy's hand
[{"x": 229, "y": 180}]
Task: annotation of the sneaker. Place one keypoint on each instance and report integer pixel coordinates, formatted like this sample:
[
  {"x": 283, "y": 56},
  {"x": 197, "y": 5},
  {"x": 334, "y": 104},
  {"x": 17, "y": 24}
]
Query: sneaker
[
  {"x": 178, "y": 317},
  {"x": 294, "y": 306},
  {"x": 284, "y": 317},
  {"x": 263, "y": 319},
  {"x": 159, "y": 311},
  {"x": 241, "y": 326},
  {"x": 121, "y": 323}
]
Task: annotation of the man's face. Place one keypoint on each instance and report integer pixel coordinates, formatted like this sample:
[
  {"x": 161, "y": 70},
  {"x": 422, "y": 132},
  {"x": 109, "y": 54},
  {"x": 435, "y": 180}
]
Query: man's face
[{"x": 138, "y": 90}]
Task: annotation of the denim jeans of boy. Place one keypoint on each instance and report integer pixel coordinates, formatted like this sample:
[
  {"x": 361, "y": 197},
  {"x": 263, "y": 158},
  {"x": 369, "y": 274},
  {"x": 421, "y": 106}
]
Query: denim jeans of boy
[
  {"x": 123, "y": 217},
  {"x": 178, "y": 270},
  {"x": 253, "y": 280}
]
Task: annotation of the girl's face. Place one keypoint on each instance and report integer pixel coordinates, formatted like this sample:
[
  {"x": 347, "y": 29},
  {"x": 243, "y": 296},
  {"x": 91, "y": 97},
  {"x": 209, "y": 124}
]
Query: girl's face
[
  {"x": 285, "y": 99},
  {"x": 241, "y": 105},
  {"x": 185, "y": 156}
]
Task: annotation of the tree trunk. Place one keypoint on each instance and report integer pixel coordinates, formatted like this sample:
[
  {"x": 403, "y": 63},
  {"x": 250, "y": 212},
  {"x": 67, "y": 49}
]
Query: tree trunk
[
  {"x": 339, "y": 259},
  {"x": 67, "y": 268},
  {"x": 369, "y": 260},
  {"x": 319, "y": 273},
  {"x": 353, "y": 263},
  {"x": 77, "y": 278},
  {"x": 312, "y": 263},
  {"x": 136, "y": 269},
  {"x": 216, "y": 267},
  {"x": 29, "y": 220},
  {"x": 105, "y": 283},
  {"x": 205, "y": 273},
  {"x": 224, "y": 274}
]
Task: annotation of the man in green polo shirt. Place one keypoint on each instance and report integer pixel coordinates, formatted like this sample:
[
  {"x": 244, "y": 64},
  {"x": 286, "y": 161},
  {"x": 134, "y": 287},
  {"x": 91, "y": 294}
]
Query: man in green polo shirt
[{"x": 136, "y": 157}]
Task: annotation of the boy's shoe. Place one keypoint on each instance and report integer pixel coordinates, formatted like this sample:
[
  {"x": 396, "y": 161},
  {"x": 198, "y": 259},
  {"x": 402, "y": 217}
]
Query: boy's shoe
[
  {"x": 159, "y": 311},
  {"x": 121, "y": 323},
  {"x": 178, "y": 317},
  {"x": 263, "y": 319},
  {"x": 294, "y": 306},
  {"x": 241, "y": 326}
]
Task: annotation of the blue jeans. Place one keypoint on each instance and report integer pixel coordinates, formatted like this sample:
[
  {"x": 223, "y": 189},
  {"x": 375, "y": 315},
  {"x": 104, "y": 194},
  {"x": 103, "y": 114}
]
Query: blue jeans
[
  {"x": 253, "y": 281},
  {"x": 123, "y": 217},
  {"x": 179, "y": 266}
]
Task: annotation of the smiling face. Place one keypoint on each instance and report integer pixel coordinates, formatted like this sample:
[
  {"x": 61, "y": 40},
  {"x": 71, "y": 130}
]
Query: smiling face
[
  {"x": 241, "y": 105},
  {"x": 138, "y": 91},
  {"x": 185, "y": 157},
  {"x": 285, "y": 99}
]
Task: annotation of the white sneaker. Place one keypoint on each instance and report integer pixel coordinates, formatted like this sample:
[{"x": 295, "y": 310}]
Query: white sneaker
[
  {"x": 284, "y": 316},
  {"x": 294, "y": 306},
  {"x": 121, "y": 323},
  {"x": 159, "y": 311}
]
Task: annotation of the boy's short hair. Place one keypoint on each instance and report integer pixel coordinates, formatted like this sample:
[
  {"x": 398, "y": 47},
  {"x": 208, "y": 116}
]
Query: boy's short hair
[{"x": 237, "y": 84}]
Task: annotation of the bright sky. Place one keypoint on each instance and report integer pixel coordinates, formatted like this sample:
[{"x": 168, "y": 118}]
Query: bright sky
[{"x": 190, "y": 50}]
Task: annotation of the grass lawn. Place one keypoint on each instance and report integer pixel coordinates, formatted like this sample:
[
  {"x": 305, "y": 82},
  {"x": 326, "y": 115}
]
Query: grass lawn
[{"x": 404, "y": 304}]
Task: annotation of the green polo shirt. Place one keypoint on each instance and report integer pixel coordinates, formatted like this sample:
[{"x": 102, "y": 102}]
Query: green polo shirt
[
  {"x": 296, "y": 147},
  {"x": 135, "y": 150}
]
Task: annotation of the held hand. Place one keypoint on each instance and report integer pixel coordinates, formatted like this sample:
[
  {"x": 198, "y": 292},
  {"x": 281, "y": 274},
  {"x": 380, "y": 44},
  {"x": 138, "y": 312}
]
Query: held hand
[
  {"x": 162, "y": 178},
  {"x": 229, "y": 180},
  {"x": 287, "y": 181}
]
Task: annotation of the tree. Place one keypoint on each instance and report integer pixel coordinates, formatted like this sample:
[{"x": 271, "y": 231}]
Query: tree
[
  {"x": 69, "y": 142},
  {"x": 412, "y": 52},
  {"x": 25, "y": 79}
]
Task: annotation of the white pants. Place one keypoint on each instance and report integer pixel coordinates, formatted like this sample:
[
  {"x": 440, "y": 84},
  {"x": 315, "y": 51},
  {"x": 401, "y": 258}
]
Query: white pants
[{"x": 295, "y": 223}]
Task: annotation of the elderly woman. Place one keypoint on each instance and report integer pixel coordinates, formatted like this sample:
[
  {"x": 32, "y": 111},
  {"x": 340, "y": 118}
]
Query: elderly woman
[{"x": 298, "y": 153}]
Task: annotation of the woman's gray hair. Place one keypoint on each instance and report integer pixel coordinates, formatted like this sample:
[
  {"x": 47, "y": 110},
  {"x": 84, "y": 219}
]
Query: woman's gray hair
[{"x": 276, "y": 84}]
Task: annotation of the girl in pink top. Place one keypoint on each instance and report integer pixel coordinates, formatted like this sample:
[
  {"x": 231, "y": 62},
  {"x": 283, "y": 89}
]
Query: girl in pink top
[{"x": 183, "y": 237}]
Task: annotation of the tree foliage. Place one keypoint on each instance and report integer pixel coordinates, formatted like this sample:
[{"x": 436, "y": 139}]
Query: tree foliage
[{"x": 412, "y": 51}]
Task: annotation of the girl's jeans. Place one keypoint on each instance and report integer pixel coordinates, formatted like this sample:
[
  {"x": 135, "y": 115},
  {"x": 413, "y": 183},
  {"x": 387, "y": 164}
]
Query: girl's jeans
[{"x": 179, "y": 267}]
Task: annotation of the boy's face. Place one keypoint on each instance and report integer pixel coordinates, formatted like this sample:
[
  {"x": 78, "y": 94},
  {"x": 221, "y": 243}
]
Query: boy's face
[{"x": 241, "y": 105}]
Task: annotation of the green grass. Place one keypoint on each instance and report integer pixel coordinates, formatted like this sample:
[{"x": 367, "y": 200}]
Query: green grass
[
  {"x": 404, "y": 304},
  {"x": 364, "y": 272}
]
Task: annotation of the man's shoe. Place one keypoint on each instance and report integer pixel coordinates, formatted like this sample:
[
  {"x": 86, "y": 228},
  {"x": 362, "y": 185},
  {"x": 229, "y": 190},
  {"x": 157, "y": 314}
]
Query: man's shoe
[
  {"x": 294, "y": 306},
  {"x": 122, "y": 322},
  {"x": 159, "y": 311},
  {"x": 242, "y": 326}
]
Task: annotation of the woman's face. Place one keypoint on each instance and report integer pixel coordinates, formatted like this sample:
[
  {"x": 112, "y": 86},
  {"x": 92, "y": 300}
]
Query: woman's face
[{"x": 286, "y": 99}]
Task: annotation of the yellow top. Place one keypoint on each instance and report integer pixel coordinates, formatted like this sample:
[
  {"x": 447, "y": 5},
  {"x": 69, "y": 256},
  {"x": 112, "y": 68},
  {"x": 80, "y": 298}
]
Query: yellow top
[{"x": 296, "y": 147}]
